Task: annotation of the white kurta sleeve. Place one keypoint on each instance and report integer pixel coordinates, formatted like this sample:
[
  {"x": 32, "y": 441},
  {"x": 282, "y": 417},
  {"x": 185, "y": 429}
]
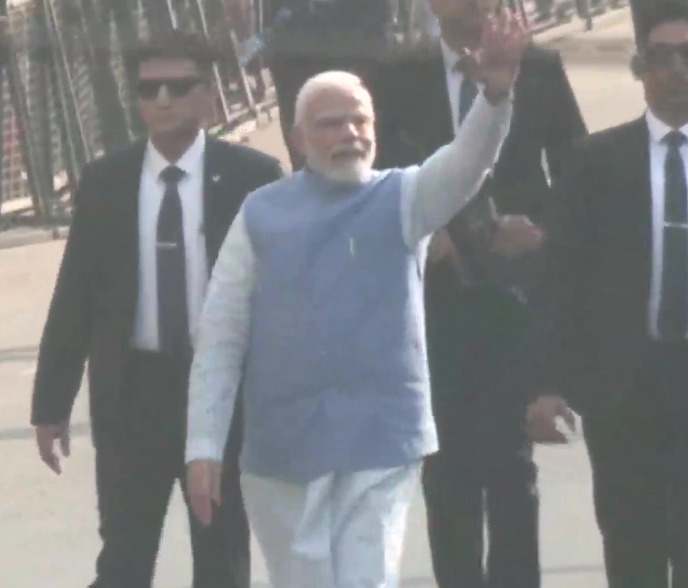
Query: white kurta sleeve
[
  {"x": 221, "y": 344},
  {"x": 434, "y": 192}
]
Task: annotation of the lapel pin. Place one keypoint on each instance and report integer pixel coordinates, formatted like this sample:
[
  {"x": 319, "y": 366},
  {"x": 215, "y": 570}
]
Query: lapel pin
[{"x": 216, "y": 179}]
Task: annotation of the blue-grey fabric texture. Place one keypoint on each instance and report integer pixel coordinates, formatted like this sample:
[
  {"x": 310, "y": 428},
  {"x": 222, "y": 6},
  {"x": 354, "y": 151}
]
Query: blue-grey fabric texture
[{"x": 336, "y": 376}]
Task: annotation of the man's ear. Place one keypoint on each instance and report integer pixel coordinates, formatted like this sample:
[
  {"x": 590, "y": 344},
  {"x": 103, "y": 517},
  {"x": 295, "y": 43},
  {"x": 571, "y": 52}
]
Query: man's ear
[
  {"x": 637, "y": 65},
  {"x": 297, "y": 140}
]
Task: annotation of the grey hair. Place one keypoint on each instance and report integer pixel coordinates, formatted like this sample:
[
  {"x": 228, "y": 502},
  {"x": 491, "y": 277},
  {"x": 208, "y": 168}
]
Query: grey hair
[{"x": 324, "y": 81}]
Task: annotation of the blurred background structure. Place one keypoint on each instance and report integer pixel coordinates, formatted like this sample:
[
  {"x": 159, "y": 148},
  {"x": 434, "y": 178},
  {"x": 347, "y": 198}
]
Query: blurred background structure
[{"x": 67, "y": 96}]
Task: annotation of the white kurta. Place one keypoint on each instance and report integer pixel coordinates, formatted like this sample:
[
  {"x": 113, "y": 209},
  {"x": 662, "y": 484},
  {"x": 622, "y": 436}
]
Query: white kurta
[
  {"x": 340, "y": 531},
  {"x": 344, "y": 530}
]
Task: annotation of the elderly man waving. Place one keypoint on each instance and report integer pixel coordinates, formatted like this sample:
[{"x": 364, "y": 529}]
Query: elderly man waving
[{"x": 316, "y": 303}]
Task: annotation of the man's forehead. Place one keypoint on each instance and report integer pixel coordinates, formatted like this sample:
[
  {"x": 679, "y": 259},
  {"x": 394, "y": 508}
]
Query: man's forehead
[
  {"x": 341, "y": 101},
  {"x": 670, "y": 33},
  {"x": 167, "y": 67},
  {"x": 330, "y": 111}
]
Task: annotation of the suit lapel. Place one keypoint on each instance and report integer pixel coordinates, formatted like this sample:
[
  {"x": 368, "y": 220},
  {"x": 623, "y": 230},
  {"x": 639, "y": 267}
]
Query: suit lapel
[
  {"x": 633, "y": 163},
  {"x": 633, "y": 209},
  {"x": 644, "y": 191},
  {"x": 215, "y": 187},
  {"x": 129, "y": 187}
]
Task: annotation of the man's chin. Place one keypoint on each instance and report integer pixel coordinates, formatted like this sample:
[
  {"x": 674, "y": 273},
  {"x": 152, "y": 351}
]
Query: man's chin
[
  {"x": 351, "y": 172},
  {"x": 170, "y": 131},
  {"x": 350, "y": 175}
]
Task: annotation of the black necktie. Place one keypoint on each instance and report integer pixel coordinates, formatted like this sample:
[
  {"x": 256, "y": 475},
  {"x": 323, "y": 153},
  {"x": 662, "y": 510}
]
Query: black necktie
[
  {"x": 467, "y": 94},
  {"x": 672, "y": 321},
  {"x": 173, "y": 322}
]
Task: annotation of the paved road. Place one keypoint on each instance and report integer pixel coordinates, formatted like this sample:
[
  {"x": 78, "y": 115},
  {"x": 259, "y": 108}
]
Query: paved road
[{"x": 48, "y": 525}]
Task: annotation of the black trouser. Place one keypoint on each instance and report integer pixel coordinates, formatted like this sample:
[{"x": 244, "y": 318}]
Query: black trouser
[
  {"x": 139, "y": 456},
  {"x": 639, "y": 454},
  {"x": 484, "y": 472}
]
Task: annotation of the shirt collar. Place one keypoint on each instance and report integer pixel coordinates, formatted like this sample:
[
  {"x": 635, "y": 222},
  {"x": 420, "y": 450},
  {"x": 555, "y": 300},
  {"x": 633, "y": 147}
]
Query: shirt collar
[
  {"x": 658, "y": 129},
  {"x": 451, "y": 57},
  {"x": 189, "y": 162}
]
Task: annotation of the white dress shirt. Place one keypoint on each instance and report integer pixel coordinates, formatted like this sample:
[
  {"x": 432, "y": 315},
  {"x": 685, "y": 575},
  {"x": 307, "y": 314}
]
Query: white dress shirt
[
  {"x": 658, "y": 152},
  {"x": 429, "y": 23},
  {"x": 151, "y": 192},
  {"x": 431, "y": 195},
  {"x": 454, "y": 81}
]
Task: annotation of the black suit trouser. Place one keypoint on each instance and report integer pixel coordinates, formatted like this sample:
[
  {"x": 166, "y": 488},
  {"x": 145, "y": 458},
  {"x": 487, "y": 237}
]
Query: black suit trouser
[
  {"x": 639, "y": 455},
  {"x": 139, "y": 456},
  {"x": 483, "y": 473}
]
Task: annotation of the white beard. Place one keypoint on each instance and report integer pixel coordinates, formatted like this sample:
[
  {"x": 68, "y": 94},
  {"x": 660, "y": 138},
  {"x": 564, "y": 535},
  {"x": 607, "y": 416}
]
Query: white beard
[{"x": 344, "y": 171}]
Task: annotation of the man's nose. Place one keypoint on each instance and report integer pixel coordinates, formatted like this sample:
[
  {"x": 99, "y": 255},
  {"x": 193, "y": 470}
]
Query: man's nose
[
  {"x": 350, "y": 129},
  {"x": 163, "y": 95}
]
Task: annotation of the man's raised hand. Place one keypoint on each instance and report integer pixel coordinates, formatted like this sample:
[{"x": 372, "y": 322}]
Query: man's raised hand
[{"x": 498, "y": 59}]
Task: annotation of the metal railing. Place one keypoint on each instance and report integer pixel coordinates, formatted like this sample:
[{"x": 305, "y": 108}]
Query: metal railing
[{"x": 67, "y": 96}]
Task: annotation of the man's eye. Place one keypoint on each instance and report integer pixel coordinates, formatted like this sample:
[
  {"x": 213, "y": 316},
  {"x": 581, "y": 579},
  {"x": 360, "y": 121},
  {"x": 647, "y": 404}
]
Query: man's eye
[{"x": 329, "y": 123}]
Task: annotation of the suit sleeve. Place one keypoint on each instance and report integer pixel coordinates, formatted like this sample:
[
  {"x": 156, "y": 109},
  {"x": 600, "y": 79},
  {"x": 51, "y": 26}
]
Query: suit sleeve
[
  {"x": 64, "y": 345},
  {"x": 261, "y": 168},
  {"x": 569, "y": 253},
  {"x": 274, "y": 171},
  {"x": 565, "y": 124}
]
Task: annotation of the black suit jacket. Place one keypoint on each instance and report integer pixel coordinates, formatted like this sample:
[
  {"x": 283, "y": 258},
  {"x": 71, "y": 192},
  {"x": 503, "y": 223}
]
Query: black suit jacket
[
  {"x": 414, "y": 119},
  {"x": 94, "y": 303},
  {"x": 600, "y": 263}
]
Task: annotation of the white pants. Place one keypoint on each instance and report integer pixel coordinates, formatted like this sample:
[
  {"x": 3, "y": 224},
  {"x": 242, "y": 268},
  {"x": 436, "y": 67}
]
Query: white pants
[{"x": 340, "y": 531}]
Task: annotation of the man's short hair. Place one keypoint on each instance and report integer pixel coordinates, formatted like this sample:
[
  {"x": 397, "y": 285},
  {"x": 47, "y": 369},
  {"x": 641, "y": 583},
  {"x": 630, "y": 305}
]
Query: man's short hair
[
  {"x": 174, "y": 44},
  {"x": 323, "y": 81},
  {"x": 660, "y": 13}
]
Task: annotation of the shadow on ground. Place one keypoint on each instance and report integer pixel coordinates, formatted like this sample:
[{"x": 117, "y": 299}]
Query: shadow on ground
[
  {"x": 573, "y": 570},
  {"x": 19, "y": 354},
  {"x": 26, "y": 433}
]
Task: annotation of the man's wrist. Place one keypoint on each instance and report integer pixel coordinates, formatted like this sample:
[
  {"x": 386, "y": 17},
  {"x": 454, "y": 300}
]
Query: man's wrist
[
  {"x": 204, "y": 460},
  {"x": 496, "y": 96},
  {"x": 203, "y": 450}
]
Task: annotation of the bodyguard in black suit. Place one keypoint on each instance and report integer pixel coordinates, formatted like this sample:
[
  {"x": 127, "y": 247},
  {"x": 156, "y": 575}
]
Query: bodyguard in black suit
[
  {"x": 319, "y": 37},
  {"x": 147, "y": 228},
  {"x": 619, "y": 316},
  {"x": 476, "y": 327}
]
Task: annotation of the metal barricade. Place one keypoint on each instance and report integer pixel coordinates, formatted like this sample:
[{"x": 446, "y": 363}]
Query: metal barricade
[{"x": 67, "y": 95}]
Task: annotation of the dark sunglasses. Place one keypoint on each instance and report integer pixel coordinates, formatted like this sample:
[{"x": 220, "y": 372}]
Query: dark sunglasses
[
  {"x": 176, "y": 88},
  {"x": 666, "y": 55}
]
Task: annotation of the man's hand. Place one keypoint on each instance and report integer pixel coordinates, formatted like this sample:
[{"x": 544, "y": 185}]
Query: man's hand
[
  {"x": 441, "y": 246},
  {"x": 203, "y": 479},
  {"x": 498, "y": 59},
  {"x": 515, "y": 235},
  {"x": 541, "y": 420},
  {"x": 46, "y": 437}
]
